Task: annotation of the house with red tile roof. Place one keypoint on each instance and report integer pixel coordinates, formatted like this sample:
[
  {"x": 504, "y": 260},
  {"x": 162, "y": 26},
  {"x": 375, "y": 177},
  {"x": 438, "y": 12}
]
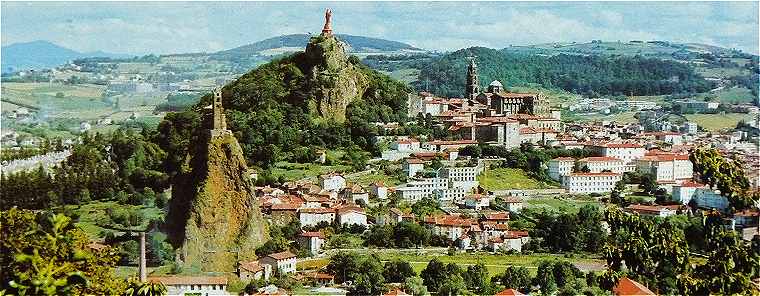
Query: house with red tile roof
[
  {"x": 285, "y": 262},
  {"x": 203, "y": 285},
  {"x": 629, "y": 287},
  {"x": 509, "y": 292}
]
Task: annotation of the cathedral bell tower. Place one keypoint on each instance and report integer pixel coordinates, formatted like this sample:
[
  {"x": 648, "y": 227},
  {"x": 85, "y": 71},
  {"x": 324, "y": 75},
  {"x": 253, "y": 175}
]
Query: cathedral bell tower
[
  {"x": 220, "y": 119},
  {"x": 472, "y": 88}
]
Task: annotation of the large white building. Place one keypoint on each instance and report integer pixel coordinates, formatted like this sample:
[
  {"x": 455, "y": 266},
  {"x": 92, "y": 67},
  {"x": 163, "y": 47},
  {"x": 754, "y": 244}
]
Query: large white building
[
  {"x": 412, "y": 166},
  {"x": 684, "y": 192},
  {"x": 313, "y": 216},
  {"x": 590, "y": 182},
  {"x": 465, "y": 177},
  {"x": 666, "y": 167},
  {"x": 332, "y": 182},
  {"x": 284, "y": 262},
  {"x": 628, "y": 152},
  {"x": 193, "y": 285},
  {"x": 560, "y": 166},
  {"x": 598, "y": 164},
  {"x": 352, "y": 215}
]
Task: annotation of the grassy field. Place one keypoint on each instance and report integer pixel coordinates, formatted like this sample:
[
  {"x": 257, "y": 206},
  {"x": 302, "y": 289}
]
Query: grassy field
[
  {"x": 93, "y": 215},
  {"x": 507, "y": 178},
  {"x": 732, "y": 95},
  {"x": 405, "y": 75},
  {"x": 559, "y": 204},
  {"x": 368, "y": 179},
  {"x": 715, "y": 122},
  {"x": 622, "y": 117},
  {"x": 296, "y": 171},
  {"x": 555, "y": 96},
  {"x": 495, "y": 263}
]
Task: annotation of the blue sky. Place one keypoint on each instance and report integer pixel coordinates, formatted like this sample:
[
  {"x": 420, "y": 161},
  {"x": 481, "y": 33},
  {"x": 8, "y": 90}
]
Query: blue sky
[{"x": 173, "y": 27}]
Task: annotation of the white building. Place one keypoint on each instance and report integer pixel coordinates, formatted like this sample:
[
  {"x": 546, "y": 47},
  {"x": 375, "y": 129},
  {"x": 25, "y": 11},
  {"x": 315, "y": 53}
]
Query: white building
[
  {"x": 379, "y": 190},
  {"x": 707, "y": 198},
  {"x": 285, "y": 262},
  {"x": 253, "y": 270},
  {"x": 461, "y": 177},
  {"x": 412, "y": 166},
  {"x": 406, "y": 145},
  {"x": 312, "y": 241},
  {"x": 332, "y": 182},
  {"x": 193, "y": 285},
  {"x": 684, "y": 192},
  {"x": 560, "y": 166},
  {"x": 598, "y": 164},
  {"x": 653, "y": 211},
  {"x": 420, "y": 188},
  {"x": 628, "y": 152},
  {"x": 352, "y": 215},
  {"x": 590, "y": 182},
  {"x": 666, "y": 167},
  {"x": 313, "y": 216}
]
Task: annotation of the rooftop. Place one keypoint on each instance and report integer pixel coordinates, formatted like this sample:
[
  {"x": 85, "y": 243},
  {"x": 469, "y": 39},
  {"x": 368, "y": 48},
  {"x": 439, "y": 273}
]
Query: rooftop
[{"x": 189, "y": 280}]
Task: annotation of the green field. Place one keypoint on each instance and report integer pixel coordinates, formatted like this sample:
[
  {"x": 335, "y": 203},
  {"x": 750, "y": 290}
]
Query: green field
[
  {"x": 733, "y": 95},
  {"x": 507, "y": 178},
  {"x": 495, "y": 263},
  {"x": 405, "y": 75},
  {"x": 559, "y": 204},
  {"x": 93, "y": 216},
  {"x": 297, "y": 171},
  {"x": 716, "y": 122},
  {"x": 368, "y": 179}
]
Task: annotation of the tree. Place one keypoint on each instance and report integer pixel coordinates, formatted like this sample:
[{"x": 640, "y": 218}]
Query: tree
[
  {"x": 145, "y": 289},
  {"x": 370, "y": 280},
  {"x": 452, "y": 285},
  {"x": 476, "y": 279},
  {"x": 434, "y": 274},
  {"x": 414, "y": 285},
  {"x": 515, "y": 277},
  {"x": 45, "y": 254},
  {"x": 397, "y": 271},
  {"x": 725, "y": 175}
]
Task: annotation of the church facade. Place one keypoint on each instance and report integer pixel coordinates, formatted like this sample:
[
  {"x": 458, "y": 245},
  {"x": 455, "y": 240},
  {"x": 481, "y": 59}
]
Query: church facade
[{"x": 503, "y": 102}]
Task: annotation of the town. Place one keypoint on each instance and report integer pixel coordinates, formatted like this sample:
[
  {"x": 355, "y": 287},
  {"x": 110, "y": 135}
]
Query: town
[{"x": 308, "y": 172}]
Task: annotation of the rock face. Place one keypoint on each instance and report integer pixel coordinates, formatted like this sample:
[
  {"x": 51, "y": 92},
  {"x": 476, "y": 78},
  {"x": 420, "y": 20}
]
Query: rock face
[
  {"x": 333, "y": 80},
  {"x": 214, "y": 217}
]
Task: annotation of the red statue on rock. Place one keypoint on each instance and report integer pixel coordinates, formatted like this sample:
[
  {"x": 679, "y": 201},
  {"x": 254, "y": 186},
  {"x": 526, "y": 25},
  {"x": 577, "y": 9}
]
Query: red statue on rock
[{"x": 327, "y": 30}]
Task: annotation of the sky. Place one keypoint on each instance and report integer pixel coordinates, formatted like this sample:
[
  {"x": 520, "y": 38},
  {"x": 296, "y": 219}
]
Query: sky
[{"x": 181, "y": 27}]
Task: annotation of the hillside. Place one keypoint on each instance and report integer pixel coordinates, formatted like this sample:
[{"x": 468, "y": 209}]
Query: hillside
[
  {"x": 588, "y": 75},
  {"x": 317, "y": 98},
  {"x": 296, "y": 42},
  {"x": 42, "y": 55}
]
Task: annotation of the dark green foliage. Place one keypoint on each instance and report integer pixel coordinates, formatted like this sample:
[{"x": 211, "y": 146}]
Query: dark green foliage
[
  {"x": 514, "y": 277},
  {"x": 568, "y": 232},
  {"x": 588, "y": 75},
  {"x": 366, "y": 272},
  {"x": 477, "y": 280},
  {"x": 397, "y": 271},
  {"x": 424, "y": 207},
  {"x": 178, "y": 102},
  {"x": 725, "y": 175}
]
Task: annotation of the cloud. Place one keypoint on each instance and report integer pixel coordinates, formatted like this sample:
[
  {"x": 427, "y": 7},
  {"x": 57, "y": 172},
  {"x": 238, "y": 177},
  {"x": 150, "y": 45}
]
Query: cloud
[{"x": 166, "y": 27}]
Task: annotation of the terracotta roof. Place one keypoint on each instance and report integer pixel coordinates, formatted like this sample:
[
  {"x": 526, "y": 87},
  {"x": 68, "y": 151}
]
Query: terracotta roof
[
  {"x": 509, "y": 292},
  {"x": 691, "y": 184},
  {"x": 189, "y": 280},
  {"x": 317, "y": 210},
  {"x": 285, "y": 207},
  {"x": 252, "y": 266},
  {"x": 96, "y": 246},
  {"x": 396, "y": 292},
  {"x": 282, "y": 255},
  {"x": 407, "y": 141},
  {"x": 563, "y": 159},
  {"x": 600, "y": 174},
  {"x": 347, "y": 209},
  {"x": 312, "y": 234},
  {"x": 498, "y": 216},
  {"x": 459, "y": 142},
  {"x": 515, "y": 234},
  {"x": 599, "y": 158},
  {"x": 322, "y": 276},
  {"x": 396, "y": 211},
  {"x": 622, "y": 145},
  {"x": 414, "y": 161},
  {"x": 626, "y": 286}
]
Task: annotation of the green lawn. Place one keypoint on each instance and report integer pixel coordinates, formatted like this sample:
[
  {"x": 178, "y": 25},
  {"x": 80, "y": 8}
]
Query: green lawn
[
  {"x": 715, "y": 122},
  {"x": 559, "y": 204},
  {"x": 732, "y": 95},
  {"x": 368, "y": 179},
  {"x": 93, "y": 215},
  {"x": 508, "y": 178},
  {"x": 296, "y": 171}
]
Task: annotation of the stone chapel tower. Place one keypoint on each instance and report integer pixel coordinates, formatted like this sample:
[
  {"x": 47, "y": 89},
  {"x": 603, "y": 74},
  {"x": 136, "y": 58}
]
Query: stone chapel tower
[
  {"x": 220, "y": 120},
  {"x": 471, "y": 88}
]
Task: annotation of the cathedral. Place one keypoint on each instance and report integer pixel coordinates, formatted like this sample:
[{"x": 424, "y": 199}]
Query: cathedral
[{"x": 501, "y": 101}]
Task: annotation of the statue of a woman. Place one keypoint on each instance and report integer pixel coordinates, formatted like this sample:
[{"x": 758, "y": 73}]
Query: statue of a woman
[{"x": 328, "y": 22}]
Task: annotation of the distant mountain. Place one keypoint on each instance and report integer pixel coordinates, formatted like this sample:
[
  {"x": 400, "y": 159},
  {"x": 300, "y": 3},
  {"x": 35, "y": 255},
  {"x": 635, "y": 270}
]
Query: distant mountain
[
  {"x": 654, "y": 49},
  {"x": 42, "y": 55},
  {"x": 285, "y": 43}
]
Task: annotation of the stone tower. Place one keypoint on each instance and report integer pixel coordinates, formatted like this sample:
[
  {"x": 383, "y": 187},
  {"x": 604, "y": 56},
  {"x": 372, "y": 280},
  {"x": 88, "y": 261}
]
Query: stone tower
[
  {"x": 220, "y": 120},
  {"x": 472, "y": 88}
]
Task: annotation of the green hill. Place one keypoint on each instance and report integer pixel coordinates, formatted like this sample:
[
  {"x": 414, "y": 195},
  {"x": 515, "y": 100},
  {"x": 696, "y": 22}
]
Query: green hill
[
  {"x": 317, "y": 98},
  {"x": 582, "y": 74}
]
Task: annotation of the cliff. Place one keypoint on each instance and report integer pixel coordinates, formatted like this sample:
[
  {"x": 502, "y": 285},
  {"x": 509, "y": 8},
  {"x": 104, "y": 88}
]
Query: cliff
[
  {"x": 333, "y": 81},
  {"x": 214, "y": 217}
]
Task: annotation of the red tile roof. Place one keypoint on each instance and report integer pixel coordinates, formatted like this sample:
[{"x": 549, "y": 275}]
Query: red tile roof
[
  {"x": 285, "y": 207},
  {"x": 396, "y": 292},
  {"x": 459, "y": 142},
  {"x": 509, "y": 292},
  {"x": 601, "y": 174},
  {"x": 626, "y": 286},
  {"x": 312, "y": 234},
  {"x": 252, "y": 266},
  {"x": 564, "y": 159},
  {"x": 282, "y": 255},
  {"x": 599, "y": 159}
]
